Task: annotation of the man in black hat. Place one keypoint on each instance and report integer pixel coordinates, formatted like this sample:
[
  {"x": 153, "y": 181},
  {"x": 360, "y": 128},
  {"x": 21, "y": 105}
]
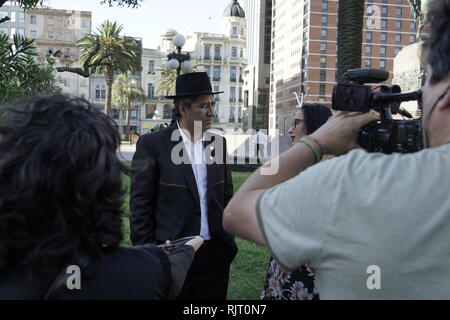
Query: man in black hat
[{"x": 185, "y": 186}]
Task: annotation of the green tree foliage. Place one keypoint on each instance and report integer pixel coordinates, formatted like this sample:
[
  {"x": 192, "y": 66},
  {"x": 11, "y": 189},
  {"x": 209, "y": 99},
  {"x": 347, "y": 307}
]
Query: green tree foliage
[
  {"x": 22, "y": 74},
  {"x": 166, "y": 84},
  {"x": 126, "y": 93},
  {"x": 108, "y": 52}
]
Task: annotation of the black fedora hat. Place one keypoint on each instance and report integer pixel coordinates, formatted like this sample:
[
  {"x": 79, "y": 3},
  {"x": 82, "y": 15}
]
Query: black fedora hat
[{"x": 193, "y": 84}]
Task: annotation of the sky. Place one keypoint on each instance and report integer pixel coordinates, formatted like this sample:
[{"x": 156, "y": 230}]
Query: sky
[{"x": 153, "y": 17}]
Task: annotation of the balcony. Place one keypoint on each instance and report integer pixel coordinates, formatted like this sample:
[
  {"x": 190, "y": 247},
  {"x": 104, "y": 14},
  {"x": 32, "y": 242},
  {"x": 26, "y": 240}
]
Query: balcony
[
  {"x": 216, "y": 78},
  {"x": 232, "y": 99},
  {"x": 217, "y": 58},
  {"x": 207, "y": 58},
  {"x": 241, "y": 80},
  {"x": 232, "y": 79}
]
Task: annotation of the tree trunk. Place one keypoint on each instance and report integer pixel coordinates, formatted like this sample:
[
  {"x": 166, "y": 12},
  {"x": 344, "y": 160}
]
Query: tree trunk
[
  {"x": 128, "y": 123},
  {"x": 109, "y": 77},
  {"x": 349, "y": 40}
]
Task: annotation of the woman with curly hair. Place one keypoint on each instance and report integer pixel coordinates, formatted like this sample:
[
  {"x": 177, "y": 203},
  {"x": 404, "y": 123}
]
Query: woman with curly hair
[
  {"x": 61, "y": 205},
  {"x": 281, "y": 284}
]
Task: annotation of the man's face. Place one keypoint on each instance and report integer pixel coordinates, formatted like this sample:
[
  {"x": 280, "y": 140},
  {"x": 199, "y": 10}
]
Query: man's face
[
  {"x": 432, "y": 94},
  {"x": 202, "y": 109}
]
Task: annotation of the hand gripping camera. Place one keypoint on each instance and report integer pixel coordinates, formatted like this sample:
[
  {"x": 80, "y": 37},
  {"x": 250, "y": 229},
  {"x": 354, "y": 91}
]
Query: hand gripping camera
[{"x": 388, "y": 135}]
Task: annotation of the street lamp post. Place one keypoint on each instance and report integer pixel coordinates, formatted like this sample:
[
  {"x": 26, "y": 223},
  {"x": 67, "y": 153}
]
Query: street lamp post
[{"x": 177, "y": 60}]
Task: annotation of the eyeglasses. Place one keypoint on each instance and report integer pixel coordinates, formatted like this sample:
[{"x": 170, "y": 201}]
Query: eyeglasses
[
  {"x": 296, "y": 122},
  {"x": 207, "y": 105}
]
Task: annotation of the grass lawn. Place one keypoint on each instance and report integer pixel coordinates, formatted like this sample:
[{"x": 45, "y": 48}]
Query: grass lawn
[{"x": 248, "y": 269}]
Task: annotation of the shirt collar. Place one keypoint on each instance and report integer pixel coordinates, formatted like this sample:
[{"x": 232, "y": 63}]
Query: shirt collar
[{"x": 185, "y": 138}]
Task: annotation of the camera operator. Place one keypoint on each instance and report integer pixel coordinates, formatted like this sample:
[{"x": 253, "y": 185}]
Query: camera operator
[{"x": 370, "y": 224}]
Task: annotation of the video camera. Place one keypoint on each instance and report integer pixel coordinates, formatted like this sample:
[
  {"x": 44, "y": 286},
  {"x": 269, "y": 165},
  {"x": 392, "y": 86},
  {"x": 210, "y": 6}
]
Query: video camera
[{"x": 388, "y": 135}]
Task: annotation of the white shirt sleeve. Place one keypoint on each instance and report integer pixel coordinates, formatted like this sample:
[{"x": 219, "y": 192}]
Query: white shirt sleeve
[{"x": 294, "y": 215}]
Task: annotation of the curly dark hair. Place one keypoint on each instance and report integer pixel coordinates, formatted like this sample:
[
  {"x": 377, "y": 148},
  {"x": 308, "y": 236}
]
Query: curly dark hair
[
  {"x": 437, "y": 45},
  {"x": 60, "y": 184}
]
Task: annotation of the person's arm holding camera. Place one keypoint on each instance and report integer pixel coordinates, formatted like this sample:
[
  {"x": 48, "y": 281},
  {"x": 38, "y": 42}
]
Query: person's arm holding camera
[{"x": 337, "y": 137}]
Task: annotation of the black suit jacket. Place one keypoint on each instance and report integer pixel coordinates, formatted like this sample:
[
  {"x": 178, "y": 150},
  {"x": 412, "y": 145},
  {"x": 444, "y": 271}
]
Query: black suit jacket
[{"x": 164, "y": 202}]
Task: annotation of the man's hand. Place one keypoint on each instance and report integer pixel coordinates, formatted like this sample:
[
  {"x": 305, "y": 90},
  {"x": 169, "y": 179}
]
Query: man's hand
[
  {"x": 338, "y": 135},
  {"x": 195, "y": 243}
]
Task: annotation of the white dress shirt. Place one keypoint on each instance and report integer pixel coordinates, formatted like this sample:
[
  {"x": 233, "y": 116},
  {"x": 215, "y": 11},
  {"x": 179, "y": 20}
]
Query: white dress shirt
[{"x": 198, "y": 163}]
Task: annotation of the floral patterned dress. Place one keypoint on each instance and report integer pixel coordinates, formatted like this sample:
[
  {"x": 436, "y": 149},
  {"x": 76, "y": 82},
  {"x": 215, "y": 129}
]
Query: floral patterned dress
[{"x": 283, "y": 285}]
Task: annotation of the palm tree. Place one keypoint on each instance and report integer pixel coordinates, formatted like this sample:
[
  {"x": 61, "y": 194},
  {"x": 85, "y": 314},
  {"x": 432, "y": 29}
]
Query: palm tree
[
  {"x": 126, "y": 92},
  {"x": 349, "y": 40},
  {"x": 166, "y": 84},
  {"x": 109, "y": 52}
]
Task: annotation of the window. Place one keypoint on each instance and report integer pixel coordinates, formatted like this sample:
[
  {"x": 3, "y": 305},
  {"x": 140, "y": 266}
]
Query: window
[
  {"x": 231, "y": 118},
  {"x": 150, "y": 111},
  {"x": 368, "y": 63},
  {"x": 208, "y": 70},
  {"x": 216, "y": 76},
  {"x": 412, "y": 26},
  {"x": 50, "y": 21},
  {"x": 217, "y": 53},
  {"x": 216, "y": 96},
  {"x": 412, "y": 39},
  {"x": 383, "y": 51},
  {"x": 324, "y": 5},
  {"x": 323, "y": 62},
  {"x": 151, "y": 91},
  {"x": 4, "y": 30},
  {"x": 21, "y": 16},
  {"x": 398, "y": 38},
  {"x": 33, "y": 34},
  {"x": 234, "y": 52},
  {"x": 398, "y": 25},
  {"x": 13, "y": 16},
  {"x": 323, "y": 34},
  {"x": 397, "y": 50},
  {"x": 232, "y": 94},
  {"x": 398, "y": 12},
  {"x": 240, "y": 94},
  {"x": 383, "y": 37},
  {"x": 323, "y": 75},
  {"x": 207, "y": 52},
  {"x": 383, "y": 64},
  {"x": 240, "y": 75},
  {"x": 67, "y": 52},
  {"x": 85, "y": 23},
  {"x": 384, "y": 24},
  {"x": 50, "y": 35},
  {"x": 100, "y": 94},
  {"x": 33, "y": 20},
  {"x": 233, "y": 74},
  {"x": 324, "y": 20},
  {"x": 323, "y": 48},
  {"x": 368, "y": 50},
  {"x": 384, "y": 11},
  {"x": 134, "y": 114},
  {"x": 151, "y": 66},
  {"x": 369, "y": 36},
  {"x": 234, "y": 31},
  {"x": 323, "y": 89}
]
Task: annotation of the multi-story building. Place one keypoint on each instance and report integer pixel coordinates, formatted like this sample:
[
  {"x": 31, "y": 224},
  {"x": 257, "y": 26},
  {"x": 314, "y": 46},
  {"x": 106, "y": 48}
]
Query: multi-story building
[
  {"x": 16, "y": 24},
  {"x": 223, "y": 57},
  {"x": 56, "y": 33},
  {"x": 157, "y": 108},
  {"x": 303, "y": 58},
  {"x": 257, "y": 74}
]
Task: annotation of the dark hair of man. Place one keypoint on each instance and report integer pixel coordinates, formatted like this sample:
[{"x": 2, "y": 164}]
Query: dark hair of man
[
  {"x": 437, "y": 45},
  {"x": 60, "y": 185},
  {"x": 315, "y": 116},
  {"x": 187, "y": 101}
]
